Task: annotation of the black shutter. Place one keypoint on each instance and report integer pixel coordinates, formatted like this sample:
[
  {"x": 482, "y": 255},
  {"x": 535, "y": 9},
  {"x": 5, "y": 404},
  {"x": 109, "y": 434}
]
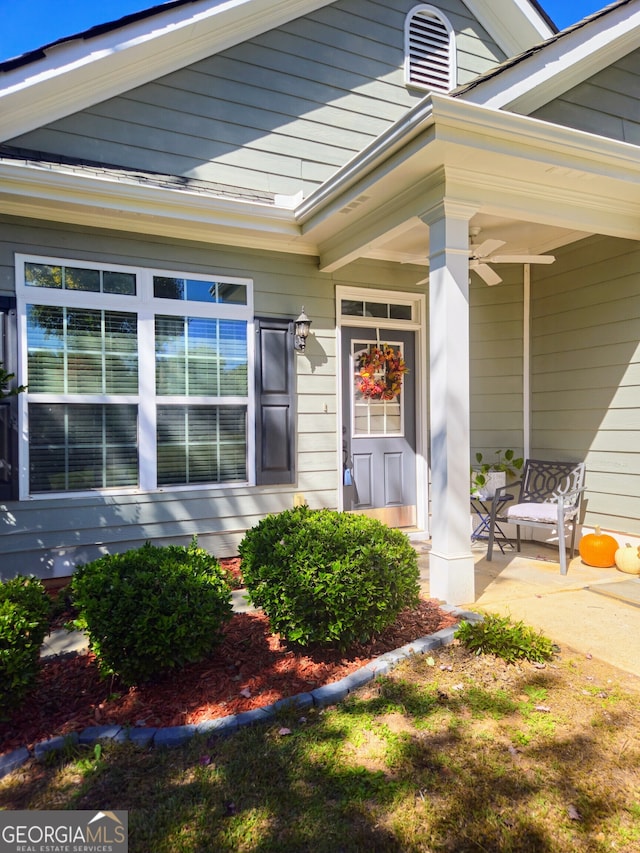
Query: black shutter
[
  {"x": 8, "y": 405},
  {"x": 275, "y": 398}
]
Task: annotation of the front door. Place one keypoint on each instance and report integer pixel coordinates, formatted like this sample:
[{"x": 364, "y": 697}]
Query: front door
[{"x": 379, "y": 426}]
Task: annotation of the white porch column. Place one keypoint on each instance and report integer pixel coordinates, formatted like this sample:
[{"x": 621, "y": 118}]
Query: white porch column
[{"x": 451, "y": 563}]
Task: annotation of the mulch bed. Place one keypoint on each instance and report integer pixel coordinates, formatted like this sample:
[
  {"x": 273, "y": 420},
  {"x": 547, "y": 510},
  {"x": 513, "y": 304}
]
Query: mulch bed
[{"x": 251, "y": 668}]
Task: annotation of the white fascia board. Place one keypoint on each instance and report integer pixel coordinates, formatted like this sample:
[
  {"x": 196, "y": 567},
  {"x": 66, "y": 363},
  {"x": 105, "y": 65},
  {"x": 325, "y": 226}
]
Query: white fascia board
[
  {"x": 524, "y": 134},
  {"x": 78, "y": 73},
  {"x": 562, "y": 63},
  {"x": 38, "y": 192},
  {"x": 515, "y": 25}
]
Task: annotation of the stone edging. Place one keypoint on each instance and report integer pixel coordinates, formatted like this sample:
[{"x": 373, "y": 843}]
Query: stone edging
[{"x": 329, "y": 694}]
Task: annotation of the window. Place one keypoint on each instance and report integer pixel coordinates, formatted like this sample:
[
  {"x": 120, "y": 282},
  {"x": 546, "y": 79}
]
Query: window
[
  {"x": 430, "y": 51},
  {"x": 137, "y": 379},
  {"x": 371, "y": 416}
]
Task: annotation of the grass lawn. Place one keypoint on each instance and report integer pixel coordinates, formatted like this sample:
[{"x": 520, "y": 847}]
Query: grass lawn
[{"x": 451, "y": 752}]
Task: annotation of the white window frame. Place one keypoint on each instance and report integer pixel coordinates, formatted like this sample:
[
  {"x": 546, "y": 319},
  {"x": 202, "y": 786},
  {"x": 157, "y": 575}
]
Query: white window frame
[
  {"x": 429, "y": 11},
  {"x": 146, "y": 307}
]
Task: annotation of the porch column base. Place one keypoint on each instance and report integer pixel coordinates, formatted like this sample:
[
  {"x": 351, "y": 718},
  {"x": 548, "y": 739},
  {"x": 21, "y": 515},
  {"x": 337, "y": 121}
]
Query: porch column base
[{"x": 452, "y": 578}]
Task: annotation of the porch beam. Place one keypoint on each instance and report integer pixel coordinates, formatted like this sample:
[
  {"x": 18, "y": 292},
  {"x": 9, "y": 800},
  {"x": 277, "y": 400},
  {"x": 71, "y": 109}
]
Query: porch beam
[{"x": 451, "y": 566}]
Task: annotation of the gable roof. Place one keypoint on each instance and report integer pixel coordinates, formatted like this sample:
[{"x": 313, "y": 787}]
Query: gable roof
[{"x": 74, "y": 73}]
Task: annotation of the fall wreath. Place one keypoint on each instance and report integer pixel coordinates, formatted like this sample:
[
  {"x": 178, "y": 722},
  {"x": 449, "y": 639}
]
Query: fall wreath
[{"x": 380, "y": 372}]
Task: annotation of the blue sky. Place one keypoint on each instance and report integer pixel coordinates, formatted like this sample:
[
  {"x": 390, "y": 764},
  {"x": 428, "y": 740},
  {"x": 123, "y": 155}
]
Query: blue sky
[{"x": 29, "y": 24}]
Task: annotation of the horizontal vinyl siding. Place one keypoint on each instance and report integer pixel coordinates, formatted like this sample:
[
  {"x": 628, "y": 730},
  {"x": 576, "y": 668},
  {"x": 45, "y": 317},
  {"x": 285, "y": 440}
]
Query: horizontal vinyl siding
[
  {"x": 47, "y": 535},
  {"x": 279, "y": 113},
  {"x": 496, "y": 365},
  {"x": 607, "y": 104},
  {"x": 586, "y": 373}
]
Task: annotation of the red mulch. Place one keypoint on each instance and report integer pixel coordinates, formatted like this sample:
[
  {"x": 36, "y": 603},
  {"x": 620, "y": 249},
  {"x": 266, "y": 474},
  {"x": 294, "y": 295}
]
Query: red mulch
[{"x": 251, "y": 668}]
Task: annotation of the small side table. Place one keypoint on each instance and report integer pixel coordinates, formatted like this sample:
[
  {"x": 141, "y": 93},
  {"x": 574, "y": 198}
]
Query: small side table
[{"x": 481, "y": 507}]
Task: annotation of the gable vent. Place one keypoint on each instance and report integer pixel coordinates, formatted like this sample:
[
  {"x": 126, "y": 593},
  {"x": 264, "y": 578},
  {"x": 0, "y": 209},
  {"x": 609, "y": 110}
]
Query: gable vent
[{"x": 429, "y": 50}]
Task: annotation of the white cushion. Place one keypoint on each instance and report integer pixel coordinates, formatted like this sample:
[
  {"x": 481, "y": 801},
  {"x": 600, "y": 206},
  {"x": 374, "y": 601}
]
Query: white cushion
[{"x": 546, "y": 513}]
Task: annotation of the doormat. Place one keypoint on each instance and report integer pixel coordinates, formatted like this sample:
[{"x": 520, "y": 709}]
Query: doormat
[{"x": 627, "y": 591}]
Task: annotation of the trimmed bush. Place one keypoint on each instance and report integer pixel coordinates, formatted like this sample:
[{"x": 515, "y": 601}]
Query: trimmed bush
[
  {"x": 151, "y": 609},
  {"x": 327, "y": 577},
  {"x": 24, "y": 621}
]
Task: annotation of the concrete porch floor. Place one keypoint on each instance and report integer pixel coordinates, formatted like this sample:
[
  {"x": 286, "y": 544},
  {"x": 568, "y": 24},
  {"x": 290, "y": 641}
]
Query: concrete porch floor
[{"x": 529, "y": 587}]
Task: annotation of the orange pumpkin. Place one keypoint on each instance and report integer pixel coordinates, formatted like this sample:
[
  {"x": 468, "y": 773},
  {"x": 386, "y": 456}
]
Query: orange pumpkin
[{"x": 598, "y": 549}]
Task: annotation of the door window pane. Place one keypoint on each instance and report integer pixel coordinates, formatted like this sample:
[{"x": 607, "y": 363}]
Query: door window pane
[
  {"x": 383, "y": 310},
  {"x": 372, "y": 415}
]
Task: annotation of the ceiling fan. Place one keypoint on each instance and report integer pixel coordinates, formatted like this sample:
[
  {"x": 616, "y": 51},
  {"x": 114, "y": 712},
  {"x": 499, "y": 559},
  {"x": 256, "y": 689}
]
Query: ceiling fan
[{"x": 482, "y": 254}]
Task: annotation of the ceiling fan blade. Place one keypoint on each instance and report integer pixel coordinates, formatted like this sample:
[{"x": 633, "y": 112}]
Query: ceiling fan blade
[
  {"x": 485, "y": 272},
  {"x": 521, "y": 259},
  {"x": 481, "y": 250}
]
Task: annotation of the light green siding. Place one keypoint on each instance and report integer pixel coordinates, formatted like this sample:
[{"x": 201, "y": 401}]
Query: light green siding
[
  {"x": 279, "y": 113},
  {"x": 586, "y": 373},
  {"x": 607, "y": 104},
  {"x": 496, "y": 364}
]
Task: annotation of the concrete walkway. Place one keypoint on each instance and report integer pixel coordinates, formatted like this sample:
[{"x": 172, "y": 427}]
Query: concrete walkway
[{"x": 568, "y": 609}]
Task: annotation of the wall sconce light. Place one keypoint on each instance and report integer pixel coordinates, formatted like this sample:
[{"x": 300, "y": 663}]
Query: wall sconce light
[{"x": 301, "y": 331}]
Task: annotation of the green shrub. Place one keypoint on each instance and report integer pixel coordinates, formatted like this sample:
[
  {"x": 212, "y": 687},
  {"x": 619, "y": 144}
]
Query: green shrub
[
  {"x": 24, "y": 621},
  {"x": 328, "y": 577},
  {"x": 498, "y": 635},
  {"x": 151, "y": 609}
]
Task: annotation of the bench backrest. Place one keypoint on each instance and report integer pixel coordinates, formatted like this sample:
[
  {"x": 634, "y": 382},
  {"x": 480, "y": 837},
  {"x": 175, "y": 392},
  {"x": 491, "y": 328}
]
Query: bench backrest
[{"x": 544, "y": 482}]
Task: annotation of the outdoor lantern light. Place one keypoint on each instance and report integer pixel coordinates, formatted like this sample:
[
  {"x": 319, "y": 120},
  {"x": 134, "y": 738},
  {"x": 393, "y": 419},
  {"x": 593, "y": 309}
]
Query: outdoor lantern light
[{"x": 301, "y": 331}]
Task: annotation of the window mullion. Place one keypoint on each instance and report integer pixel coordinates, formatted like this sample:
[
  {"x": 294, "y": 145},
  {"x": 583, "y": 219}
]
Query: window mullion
[{"x": 147, "y": 400}]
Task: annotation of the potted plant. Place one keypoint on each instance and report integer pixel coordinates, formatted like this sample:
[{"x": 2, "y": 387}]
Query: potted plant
[{"x": 486, "y": 477}]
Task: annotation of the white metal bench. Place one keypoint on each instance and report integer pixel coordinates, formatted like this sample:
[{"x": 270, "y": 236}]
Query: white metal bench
[{"x": 550, "y": 496}]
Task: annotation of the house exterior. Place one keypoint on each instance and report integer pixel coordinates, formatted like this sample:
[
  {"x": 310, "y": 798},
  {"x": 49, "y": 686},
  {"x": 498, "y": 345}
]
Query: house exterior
[{"x": 456, "y": 182}]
